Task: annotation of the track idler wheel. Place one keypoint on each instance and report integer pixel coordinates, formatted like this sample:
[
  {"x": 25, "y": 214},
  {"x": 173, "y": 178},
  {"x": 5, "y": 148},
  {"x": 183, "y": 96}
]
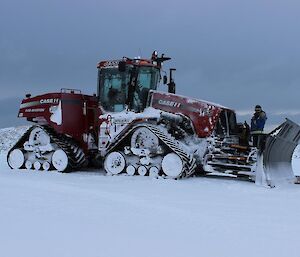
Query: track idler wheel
[
  {"x": 114, "y": 163},
  {"x": 60, "y": 160},
  {"x": 172, "y": 165},
  {"x": 16, "y": 159}
]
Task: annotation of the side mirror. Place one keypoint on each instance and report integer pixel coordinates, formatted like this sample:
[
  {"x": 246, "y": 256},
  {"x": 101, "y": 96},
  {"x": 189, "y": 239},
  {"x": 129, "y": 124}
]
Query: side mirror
[
  {"x": 165, "y": 79},
  {"x": 122, "y": 66}
]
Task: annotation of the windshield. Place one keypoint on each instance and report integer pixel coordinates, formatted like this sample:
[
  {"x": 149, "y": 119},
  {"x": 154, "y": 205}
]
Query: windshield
[
  {"x": 114, "y": 87},
  {"x": 148, "y": 78}
]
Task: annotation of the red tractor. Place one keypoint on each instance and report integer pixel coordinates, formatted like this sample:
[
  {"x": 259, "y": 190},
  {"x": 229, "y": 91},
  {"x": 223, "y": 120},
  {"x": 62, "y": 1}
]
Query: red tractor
[{"x": 132, "y": 128}]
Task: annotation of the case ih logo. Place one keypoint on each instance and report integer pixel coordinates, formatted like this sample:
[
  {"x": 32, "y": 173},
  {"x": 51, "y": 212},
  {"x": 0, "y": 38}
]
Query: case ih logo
[
  {"x": 169, "y": 103},
  {"x": 206, "y": 112},
  {"x": 49, "y": 101}
]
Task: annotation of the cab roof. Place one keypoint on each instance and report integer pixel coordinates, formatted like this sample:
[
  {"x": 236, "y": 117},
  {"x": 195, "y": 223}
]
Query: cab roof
[{"x": 136, "y": 62}]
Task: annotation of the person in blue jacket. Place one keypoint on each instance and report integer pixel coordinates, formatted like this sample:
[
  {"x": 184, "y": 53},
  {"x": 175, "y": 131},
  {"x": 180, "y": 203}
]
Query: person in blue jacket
[{"x": 257, "y": 124}]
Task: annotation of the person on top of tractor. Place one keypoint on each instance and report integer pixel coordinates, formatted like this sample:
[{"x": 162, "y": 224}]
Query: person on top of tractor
[{"x": 258, "y": 121}]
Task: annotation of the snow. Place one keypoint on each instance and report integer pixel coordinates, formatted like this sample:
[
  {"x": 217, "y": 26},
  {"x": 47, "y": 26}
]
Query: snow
[
  {"x": 92, "y": 215},
  {"x": 9, "y": 136},
  {"x": 56, "y": 115}
]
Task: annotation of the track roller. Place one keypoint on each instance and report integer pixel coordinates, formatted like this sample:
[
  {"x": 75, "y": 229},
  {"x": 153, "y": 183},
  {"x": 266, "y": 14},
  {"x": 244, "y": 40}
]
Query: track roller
[
  {"x": 130, "y": 170},
  {"x": 37, "y": 165},
  {"x": 142, "y": 170},
  {"x": 46, "y": 166},
  {"x": 28, "y": 165},
  {"x": 153, "y": 171}
]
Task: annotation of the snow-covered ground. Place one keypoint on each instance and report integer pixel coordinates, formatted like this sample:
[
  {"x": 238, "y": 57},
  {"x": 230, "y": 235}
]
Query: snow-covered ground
[{"x": 88, "y": 214}]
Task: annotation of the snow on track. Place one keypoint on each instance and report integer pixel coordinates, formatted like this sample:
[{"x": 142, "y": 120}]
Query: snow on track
[{"x": 88, "y": 214}]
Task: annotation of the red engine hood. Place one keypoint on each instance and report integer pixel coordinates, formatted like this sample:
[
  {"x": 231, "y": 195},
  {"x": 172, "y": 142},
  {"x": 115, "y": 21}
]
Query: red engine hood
[{"x": 204, "y": 115}]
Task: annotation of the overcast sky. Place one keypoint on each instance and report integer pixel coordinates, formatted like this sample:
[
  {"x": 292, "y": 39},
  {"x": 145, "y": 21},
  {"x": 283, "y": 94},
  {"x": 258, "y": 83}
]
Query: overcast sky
[{"x": 236, "y": 53}]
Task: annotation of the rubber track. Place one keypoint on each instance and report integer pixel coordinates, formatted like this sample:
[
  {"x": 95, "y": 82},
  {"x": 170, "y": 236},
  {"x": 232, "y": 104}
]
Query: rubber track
[
  {"x": 75, "y": 154},
  {"x": 174, "y": 145},
  {"x": 20, "y": 142}
]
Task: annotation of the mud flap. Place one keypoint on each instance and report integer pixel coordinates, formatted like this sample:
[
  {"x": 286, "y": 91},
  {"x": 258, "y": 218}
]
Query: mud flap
[{"x": 274, "y": 163}]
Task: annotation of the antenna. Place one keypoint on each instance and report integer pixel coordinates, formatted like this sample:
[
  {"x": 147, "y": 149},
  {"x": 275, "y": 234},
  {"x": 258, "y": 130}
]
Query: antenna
[{"x": 140, "y": 52}]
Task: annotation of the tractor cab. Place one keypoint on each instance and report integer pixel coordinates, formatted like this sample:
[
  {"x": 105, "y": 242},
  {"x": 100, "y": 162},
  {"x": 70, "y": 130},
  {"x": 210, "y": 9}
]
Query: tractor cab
[{"x": 126, "y": 83}]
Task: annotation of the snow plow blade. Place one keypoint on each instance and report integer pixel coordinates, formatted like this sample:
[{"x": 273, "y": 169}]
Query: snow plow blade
[{"x": 274, "y": 164}]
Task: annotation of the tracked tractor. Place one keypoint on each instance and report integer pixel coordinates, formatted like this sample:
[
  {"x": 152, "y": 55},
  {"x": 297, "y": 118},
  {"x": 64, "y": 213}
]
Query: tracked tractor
[{"x": 132, "y": 128}]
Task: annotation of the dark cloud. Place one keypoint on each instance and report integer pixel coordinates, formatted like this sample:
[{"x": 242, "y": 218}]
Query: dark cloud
[
  {"x": 237, "y": 53},
  {"x": 9, "y": 111}
]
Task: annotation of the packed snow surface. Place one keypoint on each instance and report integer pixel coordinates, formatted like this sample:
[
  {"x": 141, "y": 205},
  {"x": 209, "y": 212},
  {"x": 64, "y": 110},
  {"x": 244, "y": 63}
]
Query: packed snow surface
[{"x": 89, "y": 214}]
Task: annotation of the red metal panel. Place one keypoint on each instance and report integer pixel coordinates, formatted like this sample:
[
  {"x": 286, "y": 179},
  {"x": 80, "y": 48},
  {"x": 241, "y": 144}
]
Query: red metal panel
[
  {"x": 79, "y": 113},
  {"x": 204, "y": 115},
  {"x": 38, "y": 107}
]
